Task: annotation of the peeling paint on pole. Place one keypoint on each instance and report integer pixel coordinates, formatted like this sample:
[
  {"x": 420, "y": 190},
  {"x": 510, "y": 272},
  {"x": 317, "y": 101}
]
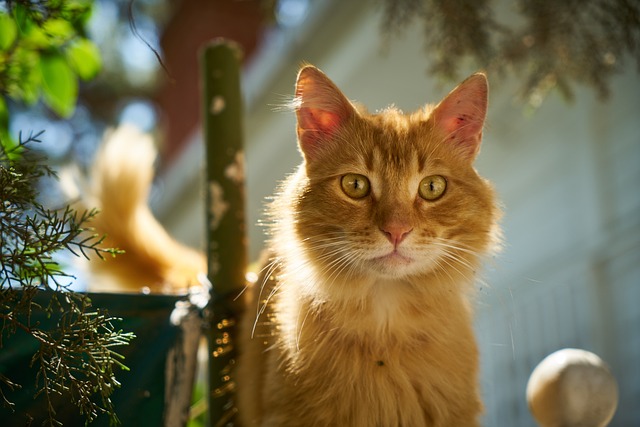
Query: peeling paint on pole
[
  {"x": 226, "y": 241},
  {"x": 217, "y": 205},
  {"x": 217, "y": 105},
  {"x": 235, "y": 171}
]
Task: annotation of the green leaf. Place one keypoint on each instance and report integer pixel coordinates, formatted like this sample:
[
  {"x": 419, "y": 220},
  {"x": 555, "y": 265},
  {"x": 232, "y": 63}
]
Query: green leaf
[
  {"x": 78, "y": 12},
  {"x": 25, "y": 74},
  {"x": 6, "y": 142},
  {"x": 32, "y": 36},
  {"x": 84, "y": 56},
  {"x": 21, "y": 15},
  {"x": 35, "y": 38},
  {"x": 8, "y": 31},
  {"x": 58, "y": 30},
  {"x": 4, "y": 113},
  {"x": 59, "y": 84}
]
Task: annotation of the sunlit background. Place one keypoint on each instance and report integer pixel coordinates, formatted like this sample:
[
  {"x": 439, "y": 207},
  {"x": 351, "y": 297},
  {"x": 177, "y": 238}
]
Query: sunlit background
[{"x": 568, "y": 173}]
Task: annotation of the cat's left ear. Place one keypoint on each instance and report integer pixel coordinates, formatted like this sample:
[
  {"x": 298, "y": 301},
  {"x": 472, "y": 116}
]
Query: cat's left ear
[
  {"x": 321, "y": 110},
  {"x": 460, "y": 115}
]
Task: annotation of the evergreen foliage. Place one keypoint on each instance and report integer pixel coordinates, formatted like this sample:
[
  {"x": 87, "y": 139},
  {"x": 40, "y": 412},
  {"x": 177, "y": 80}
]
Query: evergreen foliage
[
  {"x": 76, "y": 357},
  {"x": 548, "y": 44}
]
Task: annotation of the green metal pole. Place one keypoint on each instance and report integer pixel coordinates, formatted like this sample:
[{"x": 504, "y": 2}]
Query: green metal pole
[{"x": 226, "y": 246}]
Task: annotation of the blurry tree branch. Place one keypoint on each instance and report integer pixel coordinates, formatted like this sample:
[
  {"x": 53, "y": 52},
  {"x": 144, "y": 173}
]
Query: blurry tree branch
[{"x": 548, "y": 44}]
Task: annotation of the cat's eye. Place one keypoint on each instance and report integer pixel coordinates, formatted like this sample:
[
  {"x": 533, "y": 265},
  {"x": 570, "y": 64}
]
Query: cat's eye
[
  {"x": 432, "y": 187},
  {"x": 355, "y": 185}
]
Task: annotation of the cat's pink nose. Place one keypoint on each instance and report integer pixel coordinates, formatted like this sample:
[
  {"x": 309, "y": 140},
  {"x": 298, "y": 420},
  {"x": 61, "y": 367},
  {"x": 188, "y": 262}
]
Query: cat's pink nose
[{"x": 396, "y": 232}]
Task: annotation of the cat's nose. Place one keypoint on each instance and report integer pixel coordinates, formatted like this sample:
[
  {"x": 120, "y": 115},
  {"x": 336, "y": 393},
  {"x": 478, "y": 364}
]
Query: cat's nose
[{"x": 396, "y": 232}]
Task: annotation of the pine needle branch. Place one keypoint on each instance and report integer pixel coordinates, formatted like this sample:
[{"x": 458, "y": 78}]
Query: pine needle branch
[
  {"x": 76, "y": 357},
  {"x": 547, "y": 44}
]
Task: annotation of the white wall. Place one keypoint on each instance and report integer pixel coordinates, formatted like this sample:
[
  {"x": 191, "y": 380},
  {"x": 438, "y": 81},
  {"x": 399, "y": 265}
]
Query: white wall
[
  {"x": 570, "y": 272},
  {"x": 568, "y": 175}
]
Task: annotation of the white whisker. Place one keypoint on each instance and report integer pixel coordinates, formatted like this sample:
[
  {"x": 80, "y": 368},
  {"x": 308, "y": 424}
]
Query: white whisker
[
  {"x": 447, "y": 261},
  {"x": 455, "y": 245},
  {"x": 299, "y": 334},
  {"x": 260, "y": 308}
]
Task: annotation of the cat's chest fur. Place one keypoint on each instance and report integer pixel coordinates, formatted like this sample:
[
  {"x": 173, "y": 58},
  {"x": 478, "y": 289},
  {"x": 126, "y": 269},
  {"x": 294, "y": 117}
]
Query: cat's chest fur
[{"x": 380, "y": 362}]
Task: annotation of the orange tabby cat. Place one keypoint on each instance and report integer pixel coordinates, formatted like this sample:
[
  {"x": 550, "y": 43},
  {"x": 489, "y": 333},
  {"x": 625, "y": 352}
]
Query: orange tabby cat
[{"x": 365, "y": 318}]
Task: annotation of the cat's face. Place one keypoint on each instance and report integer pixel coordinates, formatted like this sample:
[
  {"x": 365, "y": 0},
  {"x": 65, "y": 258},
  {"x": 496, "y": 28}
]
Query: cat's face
[{"x": 391, "y": 196}]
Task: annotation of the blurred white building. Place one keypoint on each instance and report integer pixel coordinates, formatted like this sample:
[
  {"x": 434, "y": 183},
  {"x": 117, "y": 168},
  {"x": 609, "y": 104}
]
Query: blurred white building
[{"x": 568, "y": 175}]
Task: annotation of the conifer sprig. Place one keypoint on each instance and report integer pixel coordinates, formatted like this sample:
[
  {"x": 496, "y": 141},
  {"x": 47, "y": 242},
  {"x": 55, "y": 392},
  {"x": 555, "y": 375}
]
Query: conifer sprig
[{"x": 76, "y": 358}]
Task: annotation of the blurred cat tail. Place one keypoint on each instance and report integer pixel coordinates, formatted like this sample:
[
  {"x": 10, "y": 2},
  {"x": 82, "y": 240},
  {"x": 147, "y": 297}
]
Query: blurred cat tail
[{"x": 119, "y": 186}]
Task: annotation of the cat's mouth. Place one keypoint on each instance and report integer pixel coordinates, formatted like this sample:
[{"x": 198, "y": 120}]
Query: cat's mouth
[{"x": 393, "y": 259}]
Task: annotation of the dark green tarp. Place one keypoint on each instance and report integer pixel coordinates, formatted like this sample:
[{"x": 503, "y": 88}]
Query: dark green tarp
[{"x": 141, "y": 399}]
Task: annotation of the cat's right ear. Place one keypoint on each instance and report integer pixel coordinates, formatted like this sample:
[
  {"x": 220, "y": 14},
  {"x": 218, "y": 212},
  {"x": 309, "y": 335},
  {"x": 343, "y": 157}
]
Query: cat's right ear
[{"x": 321, "y": 109}]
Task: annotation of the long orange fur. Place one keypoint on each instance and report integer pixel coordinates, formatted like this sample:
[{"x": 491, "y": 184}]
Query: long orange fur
[
  {"x": 152, "y": 261},
  {"x": 364, "y": 317}
]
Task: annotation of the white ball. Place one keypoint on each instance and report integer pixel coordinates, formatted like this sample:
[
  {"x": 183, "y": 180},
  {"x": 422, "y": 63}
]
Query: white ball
[{"x": 572, "y": 387}]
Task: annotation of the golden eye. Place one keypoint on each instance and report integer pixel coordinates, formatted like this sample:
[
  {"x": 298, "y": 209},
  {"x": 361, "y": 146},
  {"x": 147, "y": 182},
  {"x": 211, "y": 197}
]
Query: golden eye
[
  {"x": 432, "y": 187},
  {"x": 355, "y": 185}
]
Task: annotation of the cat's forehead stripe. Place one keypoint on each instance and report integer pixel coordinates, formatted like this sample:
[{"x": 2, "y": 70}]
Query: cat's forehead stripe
[
  {"x": 394, "y": 142},
  {"x": 369, "y": 160},
  {"x": 421, "y": 160},
  {"x": 394, "y": 173},
  {"x": 397, "y": 156}
]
